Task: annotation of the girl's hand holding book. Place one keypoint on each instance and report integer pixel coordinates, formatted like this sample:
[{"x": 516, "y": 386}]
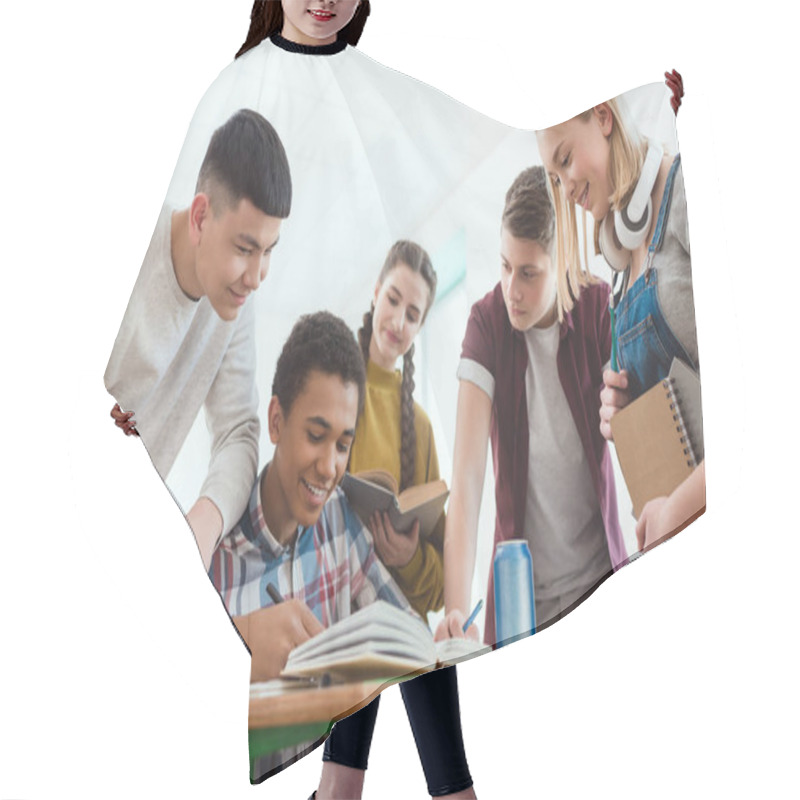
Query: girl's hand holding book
[
  {"x": 614, "y": 397},
  {"x": 394, "y": 549}
]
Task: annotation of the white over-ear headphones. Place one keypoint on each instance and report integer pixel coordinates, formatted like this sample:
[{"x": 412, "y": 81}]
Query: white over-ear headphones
[{"x": 626, "y": 229}]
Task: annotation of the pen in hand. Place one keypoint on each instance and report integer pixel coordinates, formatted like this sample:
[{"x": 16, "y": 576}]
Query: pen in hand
[
  {"x": 274, "y": 594},
  {"x": 471, "y": 617},
  {"x": 323, "y": 680}
]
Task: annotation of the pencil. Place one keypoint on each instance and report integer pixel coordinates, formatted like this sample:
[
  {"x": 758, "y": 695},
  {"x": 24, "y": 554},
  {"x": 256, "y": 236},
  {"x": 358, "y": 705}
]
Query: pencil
[
  {"x": 471, "y": 617},
  {"x": 274, "y": 594}
]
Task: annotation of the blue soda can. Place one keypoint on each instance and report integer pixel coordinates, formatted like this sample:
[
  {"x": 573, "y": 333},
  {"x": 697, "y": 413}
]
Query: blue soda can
[{"x": 514, "y": 611}]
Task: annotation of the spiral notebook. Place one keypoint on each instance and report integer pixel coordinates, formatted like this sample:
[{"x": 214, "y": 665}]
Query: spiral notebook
[{"x": 659, "y": 437}]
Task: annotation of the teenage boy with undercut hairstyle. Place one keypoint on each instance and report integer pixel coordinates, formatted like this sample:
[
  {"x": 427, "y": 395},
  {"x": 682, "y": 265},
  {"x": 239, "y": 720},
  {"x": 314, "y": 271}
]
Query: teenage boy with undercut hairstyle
[
  {"x": 298, "y": 532},
  {"x": 187, "y": 337}
]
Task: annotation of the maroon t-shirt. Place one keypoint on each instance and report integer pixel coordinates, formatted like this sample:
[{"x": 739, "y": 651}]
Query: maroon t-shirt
[{"x": 584, "y": 348}]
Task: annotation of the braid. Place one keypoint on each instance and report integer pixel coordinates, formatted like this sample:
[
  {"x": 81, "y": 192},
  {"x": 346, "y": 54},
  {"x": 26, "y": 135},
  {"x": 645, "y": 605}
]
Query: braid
[
  {"x": 364, "y": 338},
  {"x": 412, "y": 256},
  {"x": 365, "y": 334},
  {"x": 408, "y": 434}
]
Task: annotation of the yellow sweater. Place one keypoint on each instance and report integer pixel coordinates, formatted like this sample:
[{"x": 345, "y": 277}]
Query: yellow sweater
[{"x": 377, "y": 446}]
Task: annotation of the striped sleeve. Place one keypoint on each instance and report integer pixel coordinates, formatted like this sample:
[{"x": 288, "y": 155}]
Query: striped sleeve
[{"x": 240, "y": 571}]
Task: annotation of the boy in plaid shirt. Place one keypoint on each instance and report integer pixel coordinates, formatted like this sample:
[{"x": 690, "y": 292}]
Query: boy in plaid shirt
[{"x": 299, "y": 534}]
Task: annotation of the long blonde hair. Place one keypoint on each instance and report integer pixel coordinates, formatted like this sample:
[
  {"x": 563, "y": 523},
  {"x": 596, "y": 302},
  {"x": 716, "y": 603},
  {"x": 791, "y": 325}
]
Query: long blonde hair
[{"x": 628, "y": 151}]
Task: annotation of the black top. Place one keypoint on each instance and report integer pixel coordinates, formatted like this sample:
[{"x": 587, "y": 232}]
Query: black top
[{"x": 308, "y": 49}]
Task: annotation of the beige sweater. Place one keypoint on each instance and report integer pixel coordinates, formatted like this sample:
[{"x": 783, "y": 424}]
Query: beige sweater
[{"x": 173, "y": 355}]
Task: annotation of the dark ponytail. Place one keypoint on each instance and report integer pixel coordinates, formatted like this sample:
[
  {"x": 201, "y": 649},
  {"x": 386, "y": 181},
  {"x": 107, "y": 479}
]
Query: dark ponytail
[
  {"x": 266, "y": 19},
  {"x": 365, "y": 333}
]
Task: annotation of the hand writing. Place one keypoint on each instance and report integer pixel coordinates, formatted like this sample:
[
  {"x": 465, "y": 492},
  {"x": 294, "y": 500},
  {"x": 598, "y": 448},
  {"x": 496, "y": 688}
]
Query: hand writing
[
  {"x": 452, "y": 627},
  {"x": 272, "y": 633}
]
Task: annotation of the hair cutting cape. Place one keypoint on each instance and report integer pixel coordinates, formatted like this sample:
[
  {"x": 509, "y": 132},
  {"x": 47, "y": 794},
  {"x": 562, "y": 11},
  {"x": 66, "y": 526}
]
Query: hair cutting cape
[{"x": 375, "y": 157}]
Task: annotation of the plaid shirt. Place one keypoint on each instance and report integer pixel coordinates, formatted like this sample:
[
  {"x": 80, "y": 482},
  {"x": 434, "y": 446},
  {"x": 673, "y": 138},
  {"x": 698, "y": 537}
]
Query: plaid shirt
[{"x": 331, "y": 567}]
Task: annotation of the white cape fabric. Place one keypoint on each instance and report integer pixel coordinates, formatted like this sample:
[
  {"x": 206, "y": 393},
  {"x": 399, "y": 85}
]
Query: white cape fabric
[{"x": 375, "y": 157}]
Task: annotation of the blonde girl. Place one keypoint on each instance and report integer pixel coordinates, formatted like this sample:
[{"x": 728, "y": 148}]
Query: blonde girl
[
  {"x": 595, "y": 161},
  {"x": 599, "y": 162},
  {"x": 395, "y": 434}
]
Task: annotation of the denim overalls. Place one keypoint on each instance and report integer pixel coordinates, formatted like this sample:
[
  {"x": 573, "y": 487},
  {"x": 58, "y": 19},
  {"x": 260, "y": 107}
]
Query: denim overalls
[{"x": 645, "y": 341}]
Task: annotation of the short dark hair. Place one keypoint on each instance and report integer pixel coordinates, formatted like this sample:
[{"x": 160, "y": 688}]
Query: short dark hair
[
  {"x": 245, "y": 160},
  {"x": 320, "y": 342},
  {"x": 529, "y": 212}
]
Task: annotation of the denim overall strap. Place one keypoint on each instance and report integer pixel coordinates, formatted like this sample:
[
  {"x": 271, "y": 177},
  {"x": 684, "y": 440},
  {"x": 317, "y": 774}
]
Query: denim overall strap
[
  {"x": 663, "y": 213},
  {"x": 646, "y": 344}
]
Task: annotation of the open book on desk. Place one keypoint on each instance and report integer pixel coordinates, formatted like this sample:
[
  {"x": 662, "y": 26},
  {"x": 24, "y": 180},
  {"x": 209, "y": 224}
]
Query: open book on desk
[
  {"x": 378, "y": 641},
  {"x": 377, "y": 490}
]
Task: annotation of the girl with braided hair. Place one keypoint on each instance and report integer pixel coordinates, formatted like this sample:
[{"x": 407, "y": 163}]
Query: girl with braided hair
[{"x": 395, "y": 434}]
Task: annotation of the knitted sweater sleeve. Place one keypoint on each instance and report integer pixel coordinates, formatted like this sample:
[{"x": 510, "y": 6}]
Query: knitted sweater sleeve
[{"x": 231, "y": 408}]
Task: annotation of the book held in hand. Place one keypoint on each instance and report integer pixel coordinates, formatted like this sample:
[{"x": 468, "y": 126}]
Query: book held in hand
[
  {"x": 377, "y": 490},
  {"x": 659, "y": 436},
  {"x": 377, "y": 641}
]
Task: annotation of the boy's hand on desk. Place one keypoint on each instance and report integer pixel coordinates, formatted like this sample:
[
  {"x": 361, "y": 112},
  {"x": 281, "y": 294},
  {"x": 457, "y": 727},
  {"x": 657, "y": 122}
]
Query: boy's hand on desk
[
  {"x": 452, "y": 627},
  {"x": 394, "y": 549},
  {"x": 614, "y": 397},
  {"x": 272, "y": 633}
]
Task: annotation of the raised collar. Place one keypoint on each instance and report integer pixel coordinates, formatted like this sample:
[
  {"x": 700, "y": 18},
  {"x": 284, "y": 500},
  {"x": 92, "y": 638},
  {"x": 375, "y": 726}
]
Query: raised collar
[{"x": 308, "y": 49}]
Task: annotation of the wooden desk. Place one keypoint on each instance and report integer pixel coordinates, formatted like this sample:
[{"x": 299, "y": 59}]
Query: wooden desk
[{"x": 300, "y": 706}]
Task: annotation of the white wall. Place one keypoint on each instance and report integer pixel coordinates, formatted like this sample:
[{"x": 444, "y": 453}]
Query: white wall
[{"x": 119, "y": 673}]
